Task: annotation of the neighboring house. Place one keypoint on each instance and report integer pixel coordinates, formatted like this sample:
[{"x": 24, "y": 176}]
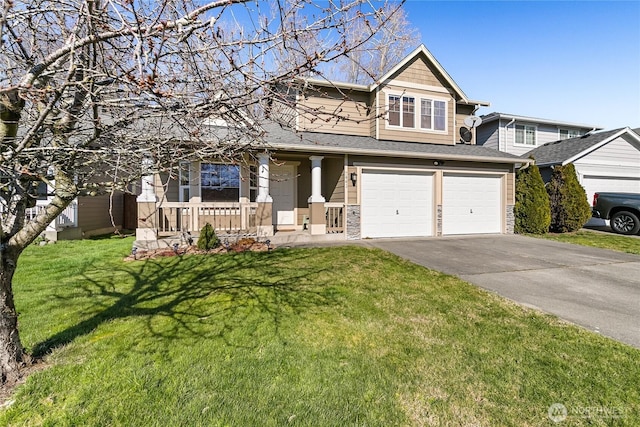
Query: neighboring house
[
  {"x": 519, "y": 134},
  {"x": 605, "y": 161},
  {"x": 394, "y": 167},
  {"x": 90, "y": 216}
]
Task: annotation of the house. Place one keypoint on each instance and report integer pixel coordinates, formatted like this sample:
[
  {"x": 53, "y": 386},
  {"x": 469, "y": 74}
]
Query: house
[
  {"x": 89, "y": 216},
  {"x": 606, "y": 161},
  {"x": 519, "y": 134},
  {"x": 393, "y": 165}
]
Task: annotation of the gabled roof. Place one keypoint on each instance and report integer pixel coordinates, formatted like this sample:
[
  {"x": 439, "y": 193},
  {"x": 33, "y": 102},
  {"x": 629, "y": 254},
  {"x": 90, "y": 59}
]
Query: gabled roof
[
  {"x": 281, "y": 138},
  {"x": 568, "y": 150},
  {"x": 488, "y": 118},
  {"x": 420, "y": 50}
]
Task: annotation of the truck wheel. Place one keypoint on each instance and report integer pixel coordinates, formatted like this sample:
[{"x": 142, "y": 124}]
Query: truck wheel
[{"x": 625, "y": 222}]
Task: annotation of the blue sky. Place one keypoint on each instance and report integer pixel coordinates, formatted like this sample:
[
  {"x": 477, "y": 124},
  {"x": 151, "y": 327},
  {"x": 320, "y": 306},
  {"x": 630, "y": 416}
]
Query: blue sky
[{"x": 574, "y": 61}]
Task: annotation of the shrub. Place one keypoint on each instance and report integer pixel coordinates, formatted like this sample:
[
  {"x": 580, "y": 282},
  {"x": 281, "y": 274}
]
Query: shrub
[
  {"x": 532, "y": 212},
  {"x": 570, "y": 209},
  {"x": 208, "y": 239}
]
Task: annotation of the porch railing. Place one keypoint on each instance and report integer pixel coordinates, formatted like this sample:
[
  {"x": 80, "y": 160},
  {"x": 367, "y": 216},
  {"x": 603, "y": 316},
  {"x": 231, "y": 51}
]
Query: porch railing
[
  {"x": 68, "y": 217},
  {"x": 229, "y": 218},
  {"x": 335, "y": 217}
]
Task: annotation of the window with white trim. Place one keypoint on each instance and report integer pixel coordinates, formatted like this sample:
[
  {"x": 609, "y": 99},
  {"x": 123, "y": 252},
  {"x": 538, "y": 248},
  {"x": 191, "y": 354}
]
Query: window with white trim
[
  {"x": 253, "y": 182},
  {"x": 402, "y": 111},
  {"x": 433, "y": 114},
  {"x": 184, "y": 182},
  {"x": 219, "y": 182},
  {"x": 525, "y": 135},
  {"x": 428, "y": 114},
  {"x": 569, "y": 133}
]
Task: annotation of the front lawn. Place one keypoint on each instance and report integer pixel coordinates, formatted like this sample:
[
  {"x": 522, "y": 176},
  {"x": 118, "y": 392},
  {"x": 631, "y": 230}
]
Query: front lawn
[
  {"x": 312, "y": 337},
  {"x": 615, "y": 242}
]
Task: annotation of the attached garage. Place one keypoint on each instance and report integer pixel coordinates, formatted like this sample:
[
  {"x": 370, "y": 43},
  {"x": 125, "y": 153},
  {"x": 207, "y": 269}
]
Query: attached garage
[
  {"x": 471, "y": 204},
  {"x": 396, "y": 203},
  {"x": 611, "y": 184}
]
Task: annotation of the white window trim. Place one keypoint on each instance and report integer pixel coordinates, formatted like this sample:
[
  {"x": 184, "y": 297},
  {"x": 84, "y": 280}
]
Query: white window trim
[
  {"x": 417, "y": 112},
  {"x": 535, "y": 134},
  {"x": 569, "y": 130},
  {"x": 184, "y": 167}
]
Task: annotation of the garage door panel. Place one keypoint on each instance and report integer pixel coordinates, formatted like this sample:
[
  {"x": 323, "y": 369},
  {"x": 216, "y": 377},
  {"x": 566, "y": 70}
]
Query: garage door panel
[
  {"x": 609, "y": 184},
  {"x": 471, "y": 204},
  {"x": 396, "y": 204}
]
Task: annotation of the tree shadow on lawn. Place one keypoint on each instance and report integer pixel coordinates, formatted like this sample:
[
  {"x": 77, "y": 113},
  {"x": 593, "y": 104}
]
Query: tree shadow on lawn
[{"x": 203, "y": 295}]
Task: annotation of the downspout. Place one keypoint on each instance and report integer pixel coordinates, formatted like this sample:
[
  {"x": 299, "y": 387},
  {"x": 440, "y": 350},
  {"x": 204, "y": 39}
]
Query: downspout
[{"x": 506, "y": 135}]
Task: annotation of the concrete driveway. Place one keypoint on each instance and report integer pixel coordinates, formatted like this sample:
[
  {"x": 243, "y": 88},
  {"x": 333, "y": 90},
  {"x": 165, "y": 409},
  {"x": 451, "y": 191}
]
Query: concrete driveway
[{"x": 596, "y": 288}]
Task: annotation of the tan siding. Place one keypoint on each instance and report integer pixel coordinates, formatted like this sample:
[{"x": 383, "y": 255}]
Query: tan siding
[
  {"x": 302, "y": 212},
  {"x": 449, "y": 164},
  {"x": 171, "y": 187},
  {"x": 334, "y": 112},
  {"x": 333, "y": 180},
  {"x": 304, "y": 183},
  {"x": 352, "y": 190},
  {"x": 93, "y": 212},
  {"x": 462, "y": 112},
  {"x": 511, "y": 189},
  {"x": 417, "y": 71}
]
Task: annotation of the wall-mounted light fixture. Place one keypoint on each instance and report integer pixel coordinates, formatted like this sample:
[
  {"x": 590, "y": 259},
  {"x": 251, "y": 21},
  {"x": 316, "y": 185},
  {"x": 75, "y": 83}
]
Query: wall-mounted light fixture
[
  {"x": 354, "y": 178},
  {"x": 438, "y": 162}
]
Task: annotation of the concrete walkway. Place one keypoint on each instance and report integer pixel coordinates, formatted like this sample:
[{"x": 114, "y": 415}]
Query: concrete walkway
[{"x": 596, "y": 288}]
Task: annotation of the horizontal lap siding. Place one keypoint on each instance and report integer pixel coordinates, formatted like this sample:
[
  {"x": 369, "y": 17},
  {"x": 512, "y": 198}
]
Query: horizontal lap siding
[
  {"x": 618, "y": 152},
  {"x": 462, "y": 112},
  {"x": 417, "y": 71},
  {"x": 94, "y": 212},
  {"x": 488, "y": 135},
  {"x": 335, "y": 112}
]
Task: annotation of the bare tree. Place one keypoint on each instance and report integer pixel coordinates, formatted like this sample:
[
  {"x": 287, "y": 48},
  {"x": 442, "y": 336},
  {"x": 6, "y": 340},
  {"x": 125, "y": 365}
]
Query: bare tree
[
  {"x": 91, "y": 90},
  {"x": 372, "y": 57}
]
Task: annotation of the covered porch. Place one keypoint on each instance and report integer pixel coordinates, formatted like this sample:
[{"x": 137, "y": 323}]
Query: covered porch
[{"x": 284, "y": 198}]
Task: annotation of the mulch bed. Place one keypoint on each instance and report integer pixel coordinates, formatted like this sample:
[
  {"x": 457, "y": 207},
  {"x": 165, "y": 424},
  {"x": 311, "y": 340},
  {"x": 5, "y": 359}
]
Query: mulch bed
[{"x": 242, "y": 245}]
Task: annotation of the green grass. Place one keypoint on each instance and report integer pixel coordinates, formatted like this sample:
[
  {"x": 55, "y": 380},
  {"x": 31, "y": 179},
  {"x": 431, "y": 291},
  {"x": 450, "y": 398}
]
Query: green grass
[
  {"x": 615, "y": 242},
  {"x": 343, "y": 336}
]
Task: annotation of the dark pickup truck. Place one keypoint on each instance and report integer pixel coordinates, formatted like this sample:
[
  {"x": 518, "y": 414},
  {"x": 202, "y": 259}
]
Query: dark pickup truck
[{"x": 623, "y": 209}]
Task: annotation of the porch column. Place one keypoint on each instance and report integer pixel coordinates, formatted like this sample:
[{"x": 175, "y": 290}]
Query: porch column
[
  {"x": 147, "y": 199},
  {"x": 317, "y": 215},
  {"x": 264, "y": 211}
]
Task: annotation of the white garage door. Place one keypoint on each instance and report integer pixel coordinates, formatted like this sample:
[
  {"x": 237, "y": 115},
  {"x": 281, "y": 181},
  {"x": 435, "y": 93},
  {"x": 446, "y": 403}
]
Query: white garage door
[
  {"x": 396, "y": 204},
  {"x": 610, "y": 184},
  {"x": 471, "y": 204}
]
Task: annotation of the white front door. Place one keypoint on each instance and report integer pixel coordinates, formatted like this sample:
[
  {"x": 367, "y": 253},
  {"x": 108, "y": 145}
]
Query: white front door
[
  {"x": 396, "y": 204},
  {"x": 471, "y": 204},
  {"x": 282, "y": 188}
]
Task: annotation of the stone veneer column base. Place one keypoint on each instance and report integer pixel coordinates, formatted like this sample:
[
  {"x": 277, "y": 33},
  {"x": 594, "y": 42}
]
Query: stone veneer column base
[
  {"x": 511, "y": 220},
  {"x": 439, "y": 220},
  {"x": 353, "y": 222}
]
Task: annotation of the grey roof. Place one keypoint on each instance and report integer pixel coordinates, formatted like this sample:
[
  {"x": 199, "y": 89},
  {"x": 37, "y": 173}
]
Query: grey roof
[
  {"x": 487, "y": 118},
  {"x": 286, "y": 139},
  {"x": 557, "y": 152}
]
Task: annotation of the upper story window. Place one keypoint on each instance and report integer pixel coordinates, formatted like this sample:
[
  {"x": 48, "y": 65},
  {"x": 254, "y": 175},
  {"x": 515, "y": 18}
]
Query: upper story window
[
  {"x": 525, "y": 135},
  {"x": 402, "y": 111},
  {"x": 433, "y": 114},
  {"x": 569, "y": 133},
  {"x": 219, "y": 183},
  {"x": 428, "y": 114}
]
